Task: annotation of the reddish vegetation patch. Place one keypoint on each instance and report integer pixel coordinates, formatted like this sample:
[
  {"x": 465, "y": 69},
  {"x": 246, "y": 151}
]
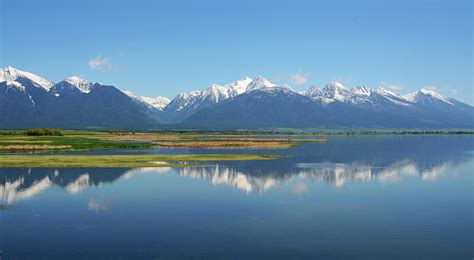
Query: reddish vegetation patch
[
  {"x": 224, "y": 145},
  {"x": 33, "y": 147}
]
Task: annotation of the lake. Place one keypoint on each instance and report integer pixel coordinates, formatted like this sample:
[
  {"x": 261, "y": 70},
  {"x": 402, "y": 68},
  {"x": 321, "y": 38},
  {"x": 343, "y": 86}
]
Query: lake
[{"x": 351, "y": 197}]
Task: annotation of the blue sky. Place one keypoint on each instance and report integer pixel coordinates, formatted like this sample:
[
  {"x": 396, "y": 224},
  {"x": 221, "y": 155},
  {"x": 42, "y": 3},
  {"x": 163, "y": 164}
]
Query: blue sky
[{"x": 167, "y": 47}]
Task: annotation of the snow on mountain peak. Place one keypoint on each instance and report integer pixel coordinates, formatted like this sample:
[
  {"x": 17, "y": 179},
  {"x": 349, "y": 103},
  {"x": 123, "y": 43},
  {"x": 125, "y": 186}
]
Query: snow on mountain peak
[
  {"x": 362, "y": 90},
  {"x": 288, "y": 87},
  {"x": 11, "y": 75},
  {"x": 313, "y": 90},
  {"x": 240, "y": 86},
  {"x": 336, "y": 85},
  {"x": 156, "y": 102},
  {"x": 258, "y": 83},
  {"x": 431, "y": 92},
  {"x": 424, "y": 93},
  {"x": 216, "y": 93},
  {"x": 82, "y": 84},
  {"x": 336, "y": 91}
]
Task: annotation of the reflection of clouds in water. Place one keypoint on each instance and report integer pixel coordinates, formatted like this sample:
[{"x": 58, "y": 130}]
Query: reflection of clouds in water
[
  {"x": 299, "y": 189},
  {"x": 98, "y": 206}
]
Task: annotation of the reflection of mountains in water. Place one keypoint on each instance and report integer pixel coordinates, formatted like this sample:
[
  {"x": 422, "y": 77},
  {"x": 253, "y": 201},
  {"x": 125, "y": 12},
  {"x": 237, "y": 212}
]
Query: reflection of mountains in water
[
  {"x": 19, "y": 184},
  {"x": 332, "y": 173}
]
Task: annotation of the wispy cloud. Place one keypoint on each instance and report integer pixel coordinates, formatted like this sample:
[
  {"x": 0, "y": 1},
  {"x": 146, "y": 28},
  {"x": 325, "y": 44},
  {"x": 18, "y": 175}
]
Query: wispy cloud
[
  {"x": 434, "y": 88},
  {"x": 279, "y": 78},
  {"x": 100, "y": 64},
  {"x": 299, "y": 77},
  {"x": 449, "y": 91},
  {"x": 394, "y": 87},
  {"x": 96, "y": 206},
  {"x": 453, "y": 92},
  {"x": 343, "y": 80}
]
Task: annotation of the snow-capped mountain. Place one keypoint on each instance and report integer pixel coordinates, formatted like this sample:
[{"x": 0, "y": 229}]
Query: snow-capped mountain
[
  {"x": 188, "y": 103},
  {"x": 81, "y": 84},
  {"x": 362, "y": 95},
  {"x": 426, "y": 95},
  {"x": 73, "y": 86},
  {"x": 157, "y": 102},
  {"x": 28, "y": 100},
  {"x": 14, "y": 77},
  {"x": 335, "y": 106}
]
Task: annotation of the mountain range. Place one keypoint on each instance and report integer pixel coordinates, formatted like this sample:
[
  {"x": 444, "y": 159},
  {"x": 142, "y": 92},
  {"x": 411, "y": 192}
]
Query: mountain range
[{"x": 28, "y": 100}]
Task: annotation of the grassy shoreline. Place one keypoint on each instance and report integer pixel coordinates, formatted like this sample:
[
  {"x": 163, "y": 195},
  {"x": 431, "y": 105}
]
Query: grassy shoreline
[
  {"x": 122, "y": 161},
  {"x": 21, "y": 142},
  {"x": 275, "y": 132},
  {"x": 53, "y": 140}
]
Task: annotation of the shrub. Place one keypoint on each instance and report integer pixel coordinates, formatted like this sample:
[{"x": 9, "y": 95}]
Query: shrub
[{"x": 43, "y": 131}]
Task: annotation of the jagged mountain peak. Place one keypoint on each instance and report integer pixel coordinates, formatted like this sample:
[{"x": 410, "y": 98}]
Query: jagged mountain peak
[
  {"x": 259, "y": 82},
  {"x": 362, "y": 90},
  {"x": 157, "y": 102},
  {"x": 10, "y": 75},
  {"x": 335, "y": 85},
  {"x": 425, "y": 95},
  {"x": 431, "y": 92},
  {"x": 336, "y": 91},
  {"x": 81, "y": 84}
]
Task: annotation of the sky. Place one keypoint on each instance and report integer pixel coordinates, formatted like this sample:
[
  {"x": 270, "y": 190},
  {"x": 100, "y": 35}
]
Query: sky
[{"x": 162, "y": 48}]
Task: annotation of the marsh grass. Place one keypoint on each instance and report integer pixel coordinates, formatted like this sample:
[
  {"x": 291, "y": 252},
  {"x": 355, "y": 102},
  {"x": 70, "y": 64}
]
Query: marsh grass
[
  {"x": 122, "y": 161},
  {"x": 73, "y": 140},
  {"x": 44, "y": 132},
  {"x": 65, "y": 143},
  {"x": 223, "y": 145}
]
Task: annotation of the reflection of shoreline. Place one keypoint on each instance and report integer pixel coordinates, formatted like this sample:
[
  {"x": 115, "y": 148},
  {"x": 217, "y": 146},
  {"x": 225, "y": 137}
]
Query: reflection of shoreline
[{"x": 21, "y": 184}]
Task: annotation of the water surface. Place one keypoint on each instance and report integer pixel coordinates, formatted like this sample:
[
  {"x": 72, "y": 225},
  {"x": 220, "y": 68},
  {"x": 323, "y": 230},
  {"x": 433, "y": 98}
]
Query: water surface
[{"x": 352, "y": 197}]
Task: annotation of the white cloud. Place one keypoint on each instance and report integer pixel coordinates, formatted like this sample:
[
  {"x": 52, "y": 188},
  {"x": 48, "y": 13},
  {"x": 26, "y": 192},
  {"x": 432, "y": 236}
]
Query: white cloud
[
  {"x": 299, "y": 77},
  {"x": 100, "y": 64},
  {"x": 393, "y": 87}
]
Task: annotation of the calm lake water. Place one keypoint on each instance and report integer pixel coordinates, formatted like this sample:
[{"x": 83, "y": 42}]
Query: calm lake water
[{"x": 352, "y": 197}]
